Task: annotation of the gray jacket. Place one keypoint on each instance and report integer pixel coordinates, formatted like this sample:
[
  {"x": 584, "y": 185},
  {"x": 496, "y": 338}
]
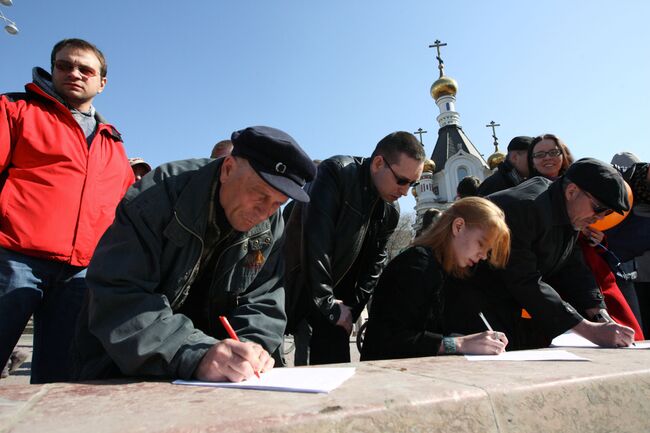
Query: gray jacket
[{"x": 143, "y": 270}]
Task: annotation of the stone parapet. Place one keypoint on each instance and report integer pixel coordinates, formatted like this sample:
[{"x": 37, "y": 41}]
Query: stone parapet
[{"x": 441, "y": 394}]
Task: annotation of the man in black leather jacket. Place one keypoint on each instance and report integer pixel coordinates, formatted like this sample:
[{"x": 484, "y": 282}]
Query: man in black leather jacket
[
  {"x": 336, "y": 244},
  {"x": 191, "y": 241}
]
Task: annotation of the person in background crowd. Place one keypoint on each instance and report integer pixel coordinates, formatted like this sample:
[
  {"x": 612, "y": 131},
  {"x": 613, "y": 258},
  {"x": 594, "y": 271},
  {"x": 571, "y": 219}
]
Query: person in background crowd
[
  {"x": 468, "y": 187},
  {"x": 64, "y": 170},
  {"x": 140, "y": 167},
  {"x": 545, "y": 274},
  {"x": 428, "y": 219},
  {"x": 548, "y": 156},
  {"x": 406, "y": 318},
  {"x": 221, "y": 149},
  {"x": 336, "y": 244},
  {"x": 197, "y": 240},
  {"x": 512, "y": 171},
  {"x": 629, "y": 240}
]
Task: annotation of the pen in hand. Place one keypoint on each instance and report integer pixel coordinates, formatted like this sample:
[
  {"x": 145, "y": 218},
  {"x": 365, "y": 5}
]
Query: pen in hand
[
  {"x": 487, "y": 325},
  {"x": 231, "y": 334}
]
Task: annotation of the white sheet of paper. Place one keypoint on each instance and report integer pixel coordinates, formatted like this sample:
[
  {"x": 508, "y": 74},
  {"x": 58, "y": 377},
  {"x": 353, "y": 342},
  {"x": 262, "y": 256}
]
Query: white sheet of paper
[
  {"x": 639, "y": 345},
  {"x": 306, "y": 379},
  {"x": 529, "y": 355},
  {"x": 571, "y": 339}
]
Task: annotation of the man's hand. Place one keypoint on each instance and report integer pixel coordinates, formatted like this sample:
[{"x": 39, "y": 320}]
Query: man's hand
[
  {"x": 594, "y": 237},
  {"x": 234, "y": 361},
  {"x": 345, "y": 318},
  {"x": 606, "y": 334}
]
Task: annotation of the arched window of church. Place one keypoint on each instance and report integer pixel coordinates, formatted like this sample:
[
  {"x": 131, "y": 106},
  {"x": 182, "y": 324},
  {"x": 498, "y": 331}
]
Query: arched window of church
[{"x": 462, "y": 173}]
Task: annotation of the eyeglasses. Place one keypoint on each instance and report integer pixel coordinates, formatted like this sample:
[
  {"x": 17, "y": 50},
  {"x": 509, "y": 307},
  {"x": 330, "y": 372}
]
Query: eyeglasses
[
  {"x": 598, "y": 207},
  {"x": 65, "y": 66},
  {"x": 554, "y": 153},
  {"x": 401, "y": 181}
]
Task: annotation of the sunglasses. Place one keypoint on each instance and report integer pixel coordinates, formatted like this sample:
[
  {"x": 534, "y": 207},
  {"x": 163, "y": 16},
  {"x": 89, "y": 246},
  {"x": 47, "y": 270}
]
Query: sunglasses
[
  {"x": 401, "y": 181},
  {"x": 554, "y": 153},
  {"x": 65, "y": 66},
  {"x": 597, "y": 207}
]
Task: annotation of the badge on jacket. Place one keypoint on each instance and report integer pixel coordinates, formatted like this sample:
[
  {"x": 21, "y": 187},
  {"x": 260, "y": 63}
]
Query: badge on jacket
[{"x": 255, "y": 259}]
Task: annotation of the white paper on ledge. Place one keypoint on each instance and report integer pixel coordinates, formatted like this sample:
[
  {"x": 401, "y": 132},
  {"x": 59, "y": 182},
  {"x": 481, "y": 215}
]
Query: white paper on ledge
[
  {"x": 305, "y": 379},
  {"x": 571, "y": 339},
  {"x": 529, "y": 355}
]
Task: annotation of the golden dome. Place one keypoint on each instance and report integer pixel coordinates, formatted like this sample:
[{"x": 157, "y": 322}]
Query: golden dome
[
  {"x": 429, "y": 165},
  {"x": 495, "y": 159},
  {"x": 443, "y": 86}
]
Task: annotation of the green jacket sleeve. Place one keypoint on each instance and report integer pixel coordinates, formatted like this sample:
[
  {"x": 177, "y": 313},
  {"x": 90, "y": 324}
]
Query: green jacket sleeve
[{"x": 128, "y": 310}]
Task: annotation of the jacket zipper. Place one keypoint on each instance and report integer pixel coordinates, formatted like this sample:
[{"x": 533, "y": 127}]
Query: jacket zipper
[
  {"x": 185, "y": 289},
  {"x": 359, "y": 244}
]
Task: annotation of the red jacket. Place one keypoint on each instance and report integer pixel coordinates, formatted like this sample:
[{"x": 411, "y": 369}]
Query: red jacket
[
  {"x": 58, "y": 194},
  {"x": 617, "y": 305}
]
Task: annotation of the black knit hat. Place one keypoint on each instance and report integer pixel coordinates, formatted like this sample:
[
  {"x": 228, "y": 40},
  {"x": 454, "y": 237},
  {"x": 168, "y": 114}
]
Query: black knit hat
[
  {"x": 277, "y": 158},
  {"x": 602, "y": 181}
]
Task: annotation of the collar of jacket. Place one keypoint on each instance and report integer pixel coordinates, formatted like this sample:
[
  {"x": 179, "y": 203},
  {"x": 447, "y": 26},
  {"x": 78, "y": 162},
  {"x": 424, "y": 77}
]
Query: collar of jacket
[
  {"x": 199, "y": 190},
  {"x": 559, "y": 212},
  {"x": 509, "y": 171},
  {"x": 366, "y": 176},
  {"x": 39, "y": 87}
]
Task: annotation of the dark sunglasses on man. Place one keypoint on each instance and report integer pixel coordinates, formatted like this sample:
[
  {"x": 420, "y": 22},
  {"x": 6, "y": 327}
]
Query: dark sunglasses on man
[
  {"x": 598, "y": 207},
  {"x": 401, "y": 181},
  {"x": 67, "y": 67}
]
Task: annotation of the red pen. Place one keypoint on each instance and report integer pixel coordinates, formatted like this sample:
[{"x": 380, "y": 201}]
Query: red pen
[{"x": 231, "y": 334}]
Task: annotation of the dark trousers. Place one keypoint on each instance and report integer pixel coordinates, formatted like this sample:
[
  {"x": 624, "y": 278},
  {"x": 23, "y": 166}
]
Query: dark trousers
[
  {"x": 301, "y": 339},
  {"x": 629, "y": 293},
  {"x": 330, "y": 344},
  {"x": 643, "y": 294},
  {"x": 53, "y": 293}
]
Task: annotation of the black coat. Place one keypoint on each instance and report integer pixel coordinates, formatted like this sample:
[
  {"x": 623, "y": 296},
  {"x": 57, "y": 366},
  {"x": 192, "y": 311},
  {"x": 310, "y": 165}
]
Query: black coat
[
  {"x": 503, "y": 178},
  {"x": 546, "y": 274},
  {"x": 406, "y": 312}
]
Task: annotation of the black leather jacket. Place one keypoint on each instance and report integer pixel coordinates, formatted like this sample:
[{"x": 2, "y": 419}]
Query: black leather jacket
[
  {"x": 144, "y": 268},
  {"x": 346, "y": 225}
]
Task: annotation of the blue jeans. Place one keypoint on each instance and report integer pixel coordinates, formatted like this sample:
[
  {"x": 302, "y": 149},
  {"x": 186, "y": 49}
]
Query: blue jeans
[{"x": 53, "y": 292}]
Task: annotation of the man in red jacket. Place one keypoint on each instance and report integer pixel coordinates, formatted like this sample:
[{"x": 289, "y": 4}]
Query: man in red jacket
[{"x": 63, "y": 171}]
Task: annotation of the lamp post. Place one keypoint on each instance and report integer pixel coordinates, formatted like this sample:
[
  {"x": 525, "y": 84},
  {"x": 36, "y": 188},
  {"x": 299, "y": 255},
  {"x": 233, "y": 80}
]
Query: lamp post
[{"x": 10, "y": 26}]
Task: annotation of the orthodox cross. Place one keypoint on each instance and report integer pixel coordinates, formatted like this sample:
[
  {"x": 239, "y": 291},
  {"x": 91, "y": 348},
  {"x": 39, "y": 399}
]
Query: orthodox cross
[
  {"x": 493, "y": 125},
  {"x": 441, "y": 65},
  {"x": 420, "y": 131}
]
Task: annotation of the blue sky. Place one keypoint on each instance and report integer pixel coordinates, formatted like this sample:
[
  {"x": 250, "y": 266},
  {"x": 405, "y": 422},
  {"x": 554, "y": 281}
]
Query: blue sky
[{"x": 339, "y": 75}]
